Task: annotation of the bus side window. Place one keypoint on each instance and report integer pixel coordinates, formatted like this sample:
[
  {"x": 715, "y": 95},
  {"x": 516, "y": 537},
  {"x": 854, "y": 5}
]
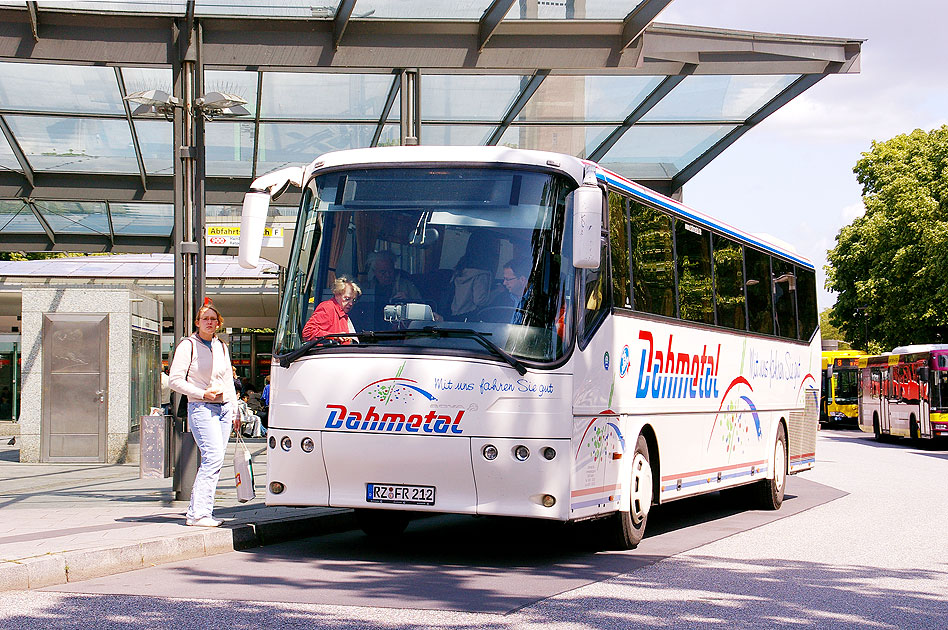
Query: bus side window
[
  {"x": 807, "y": 310},
  {"x": 693, "y": 251},
  {"x": 652, "y": 261},
  {"x": 619, "y": 248},
  {"x": 785, "y": 298},
  {"x": 596, "y": 296},
  {"x": 760, "y": 306},
  {"x": 729, "y": 283}
]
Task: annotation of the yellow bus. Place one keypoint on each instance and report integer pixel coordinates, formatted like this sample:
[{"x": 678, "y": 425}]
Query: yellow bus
[{"x": 839, "y": 401}]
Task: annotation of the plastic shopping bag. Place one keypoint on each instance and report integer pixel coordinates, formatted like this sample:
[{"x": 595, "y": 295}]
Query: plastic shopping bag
[{"x": 243, "y": 472}]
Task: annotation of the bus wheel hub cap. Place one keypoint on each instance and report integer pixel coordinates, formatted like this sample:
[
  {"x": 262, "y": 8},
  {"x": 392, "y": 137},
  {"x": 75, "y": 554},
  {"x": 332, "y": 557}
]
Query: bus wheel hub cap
[{"x": 641, "y": 490}]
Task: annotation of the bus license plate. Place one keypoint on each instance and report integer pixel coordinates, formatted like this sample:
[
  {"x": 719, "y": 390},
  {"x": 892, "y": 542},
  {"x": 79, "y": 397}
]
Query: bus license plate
[{"x": 396, "y": 493}]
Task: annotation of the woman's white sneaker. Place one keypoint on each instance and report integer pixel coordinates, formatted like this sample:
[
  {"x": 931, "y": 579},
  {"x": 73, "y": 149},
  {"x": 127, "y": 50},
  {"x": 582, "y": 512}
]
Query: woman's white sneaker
[{"x": 204, "y": 521}]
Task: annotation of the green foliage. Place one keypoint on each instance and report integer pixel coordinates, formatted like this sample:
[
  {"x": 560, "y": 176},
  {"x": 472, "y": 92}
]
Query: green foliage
[
  {"x": 41, "y": 255},
  {"x": 890, "y": 266},
  {"x": 830, "y": 331}
]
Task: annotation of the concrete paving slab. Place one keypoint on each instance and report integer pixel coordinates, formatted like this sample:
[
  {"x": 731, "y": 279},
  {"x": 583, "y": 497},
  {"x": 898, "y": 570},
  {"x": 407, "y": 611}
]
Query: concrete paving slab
[{"x": 67, "y": 522}]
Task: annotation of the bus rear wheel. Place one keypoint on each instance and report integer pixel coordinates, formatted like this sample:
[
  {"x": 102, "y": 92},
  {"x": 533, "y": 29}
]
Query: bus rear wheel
[
  {"x": 770, "y": 491},
  {"x": 382, "y": 524},
  {"x": 628, "y": 528}
]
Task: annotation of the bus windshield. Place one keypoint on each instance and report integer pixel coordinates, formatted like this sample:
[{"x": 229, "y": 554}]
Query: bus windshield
[
  {"x": 847, "y": 385},
  {"x": 436, "y": 249}
]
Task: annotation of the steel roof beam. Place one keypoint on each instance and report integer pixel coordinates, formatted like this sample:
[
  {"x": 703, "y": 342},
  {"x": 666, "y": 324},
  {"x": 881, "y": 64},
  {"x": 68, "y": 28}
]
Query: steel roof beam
[
  {"x": 256, "y": 126},
  {"x": 131, "y": 127},
  {"x": 17, "y": 151},
  {"x": 493, "y": 16},
  {"x": 638, "y": 20},
  {"x": 660, "y": 92},
  {"x": 568, "y": 46},
  {"x": 122, "y": 188},
  {"x": 33, "y": 8},
  {"x": 85, "y": 243},
  {"x": 340, "y": 20},
  {"x": 108, "y": 215},
  {"x": 42, "y": 220},
  {"x": 532, "y": 85},
  {"x": 387, "y": 108},
  {"x": 792, "y": 91}
]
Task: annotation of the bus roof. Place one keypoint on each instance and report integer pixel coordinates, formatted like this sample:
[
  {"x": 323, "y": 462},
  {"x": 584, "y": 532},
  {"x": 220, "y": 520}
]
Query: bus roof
[
  {"x": 690, "y": 214},
  {"x": 571, "y": 166}
]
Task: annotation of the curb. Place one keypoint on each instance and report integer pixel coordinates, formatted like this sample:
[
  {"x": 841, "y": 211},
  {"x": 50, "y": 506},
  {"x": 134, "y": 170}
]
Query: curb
[{"x": 73, "y": 566}]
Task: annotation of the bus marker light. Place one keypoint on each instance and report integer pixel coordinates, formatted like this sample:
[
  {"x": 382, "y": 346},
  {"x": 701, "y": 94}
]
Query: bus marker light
[
  {"x": 489, "y": 452},
  {"x": 522, "y": 453},
  {"x": 307, "y": 445},
  {"x": 548, "y": 452},
  {"x": 549, "y": 500},
  {"x": 276, "y": 487},
  {"x": 617, "y": 456},
  {"x": 286, "y": 443}
]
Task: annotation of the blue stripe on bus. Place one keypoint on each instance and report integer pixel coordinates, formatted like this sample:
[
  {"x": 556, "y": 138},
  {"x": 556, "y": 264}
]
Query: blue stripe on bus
[
  {"x": 705, "y": 222},
  {"x": 600, "y": 501},
  {"x": 707, "y": 480}
]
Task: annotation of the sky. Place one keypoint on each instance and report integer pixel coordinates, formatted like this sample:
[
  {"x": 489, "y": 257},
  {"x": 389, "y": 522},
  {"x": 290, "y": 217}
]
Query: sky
[{"x": 792, "y": 175}]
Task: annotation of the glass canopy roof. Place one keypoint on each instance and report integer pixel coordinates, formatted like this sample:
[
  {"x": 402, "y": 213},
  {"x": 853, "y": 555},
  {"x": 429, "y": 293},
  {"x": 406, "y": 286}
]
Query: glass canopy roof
[{"x": 69, "y": 119}]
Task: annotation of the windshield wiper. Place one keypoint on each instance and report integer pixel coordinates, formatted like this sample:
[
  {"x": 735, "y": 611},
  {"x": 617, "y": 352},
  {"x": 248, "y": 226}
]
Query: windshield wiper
[
  {"x": 370, "y": 336},
  {"x": 320, "y": 342},
  {"x": 430, "y": 331}
]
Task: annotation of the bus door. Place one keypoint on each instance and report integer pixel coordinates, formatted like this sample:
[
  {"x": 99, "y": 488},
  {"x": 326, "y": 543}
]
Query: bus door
[
  {"x": 924, "y": 401},
  {"x": 885, "y": 383}
]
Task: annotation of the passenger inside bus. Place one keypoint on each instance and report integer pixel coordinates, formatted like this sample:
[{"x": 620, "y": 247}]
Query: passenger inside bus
[
  {"x": 332, "y": 316},
  {"x": 388, "y": 285},
  {"x": 473, "y": 280}
]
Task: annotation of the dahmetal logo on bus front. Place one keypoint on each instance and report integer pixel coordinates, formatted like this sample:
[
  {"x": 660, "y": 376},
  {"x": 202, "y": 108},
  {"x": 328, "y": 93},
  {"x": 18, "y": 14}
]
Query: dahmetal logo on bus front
[{"x": 384, "y": 396}]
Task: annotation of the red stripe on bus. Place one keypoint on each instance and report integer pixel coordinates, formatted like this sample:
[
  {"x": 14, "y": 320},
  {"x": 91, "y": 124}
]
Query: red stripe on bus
[
  {"x": 707, "y": 470},
  {"x": 579, "y": 493}
]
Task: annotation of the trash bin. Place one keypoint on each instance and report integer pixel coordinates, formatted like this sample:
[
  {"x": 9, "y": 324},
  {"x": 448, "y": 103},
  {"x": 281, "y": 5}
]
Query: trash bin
[
  {"x": 156, "y": 447},
  {"x": 185, "y": 461}
]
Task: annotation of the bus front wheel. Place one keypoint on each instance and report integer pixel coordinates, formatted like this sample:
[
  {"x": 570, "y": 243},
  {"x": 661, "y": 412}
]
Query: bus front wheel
[
  {"x": 770, "y": 491},
  {"x": 629, "y": 527}
]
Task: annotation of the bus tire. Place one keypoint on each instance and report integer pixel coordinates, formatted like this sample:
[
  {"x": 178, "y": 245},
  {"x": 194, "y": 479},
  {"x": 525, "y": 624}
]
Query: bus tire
[
  {"x": 628, "y": 527},
  {"x": 876, "y": 431},
  {"x": 913, "y": 429},
  {"x": 770, "y": 491},
  {"x": 382, "y": 524}
]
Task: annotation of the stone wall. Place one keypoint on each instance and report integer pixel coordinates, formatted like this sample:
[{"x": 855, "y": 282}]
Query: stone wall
[{"x": 121, "y": 304}]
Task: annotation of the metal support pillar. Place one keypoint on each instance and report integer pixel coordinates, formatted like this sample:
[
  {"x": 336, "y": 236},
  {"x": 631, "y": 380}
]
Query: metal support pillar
[
  {"x": 189, "y": 268},
  {"x": 410, "y": 92}
]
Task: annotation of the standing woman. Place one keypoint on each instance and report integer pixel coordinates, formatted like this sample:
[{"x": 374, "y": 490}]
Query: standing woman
[{"x": 201, "y": 370}]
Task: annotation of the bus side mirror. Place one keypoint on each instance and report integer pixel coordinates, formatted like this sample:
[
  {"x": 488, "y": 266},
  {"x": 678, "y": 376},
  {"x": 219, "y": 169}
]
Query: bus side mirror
[
  {"x": 253, "y": 221},
  {"x": 587, "y": 203},
  {"x": 253, "y": 218}
]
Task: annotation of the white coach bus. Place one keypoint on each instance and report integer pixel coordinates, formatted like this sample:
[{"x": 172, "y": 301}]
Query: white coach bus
[{"x": 536, "y": 337}]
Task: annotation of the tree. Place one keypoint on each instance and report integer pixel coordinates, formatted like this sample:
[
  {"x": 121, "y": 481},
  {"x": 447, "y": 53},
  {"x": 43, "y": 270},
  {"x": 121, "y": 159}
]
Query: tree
[
  {"x": 890, "y": 266},
  {"x": 829, "y": 331}
]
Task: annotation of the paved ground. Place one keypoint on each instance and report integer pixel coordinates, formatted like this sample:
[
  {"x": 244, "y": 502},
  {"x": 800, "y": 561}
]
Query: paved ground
[
  {"x": 62, "y": 522},
  {"x": 872, "y": 558}
]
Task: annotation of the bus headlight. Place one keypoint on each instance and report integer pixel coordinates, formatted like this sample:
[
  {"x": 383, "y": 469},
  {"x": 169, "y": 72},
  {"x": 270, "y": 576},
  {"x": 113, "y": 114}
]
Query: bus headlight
[
  {"x": 548, "y": 500},
  {"x": 286, "y": 443},
  {"x": 272, "y": 441},
  {"x": 276, "y": 487},
  {"x": 548, "y": 452},
  {"x": 307, "y": 445},
  {"x": 489, "y": 452},
  {"x": 522, "y": 453}
]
